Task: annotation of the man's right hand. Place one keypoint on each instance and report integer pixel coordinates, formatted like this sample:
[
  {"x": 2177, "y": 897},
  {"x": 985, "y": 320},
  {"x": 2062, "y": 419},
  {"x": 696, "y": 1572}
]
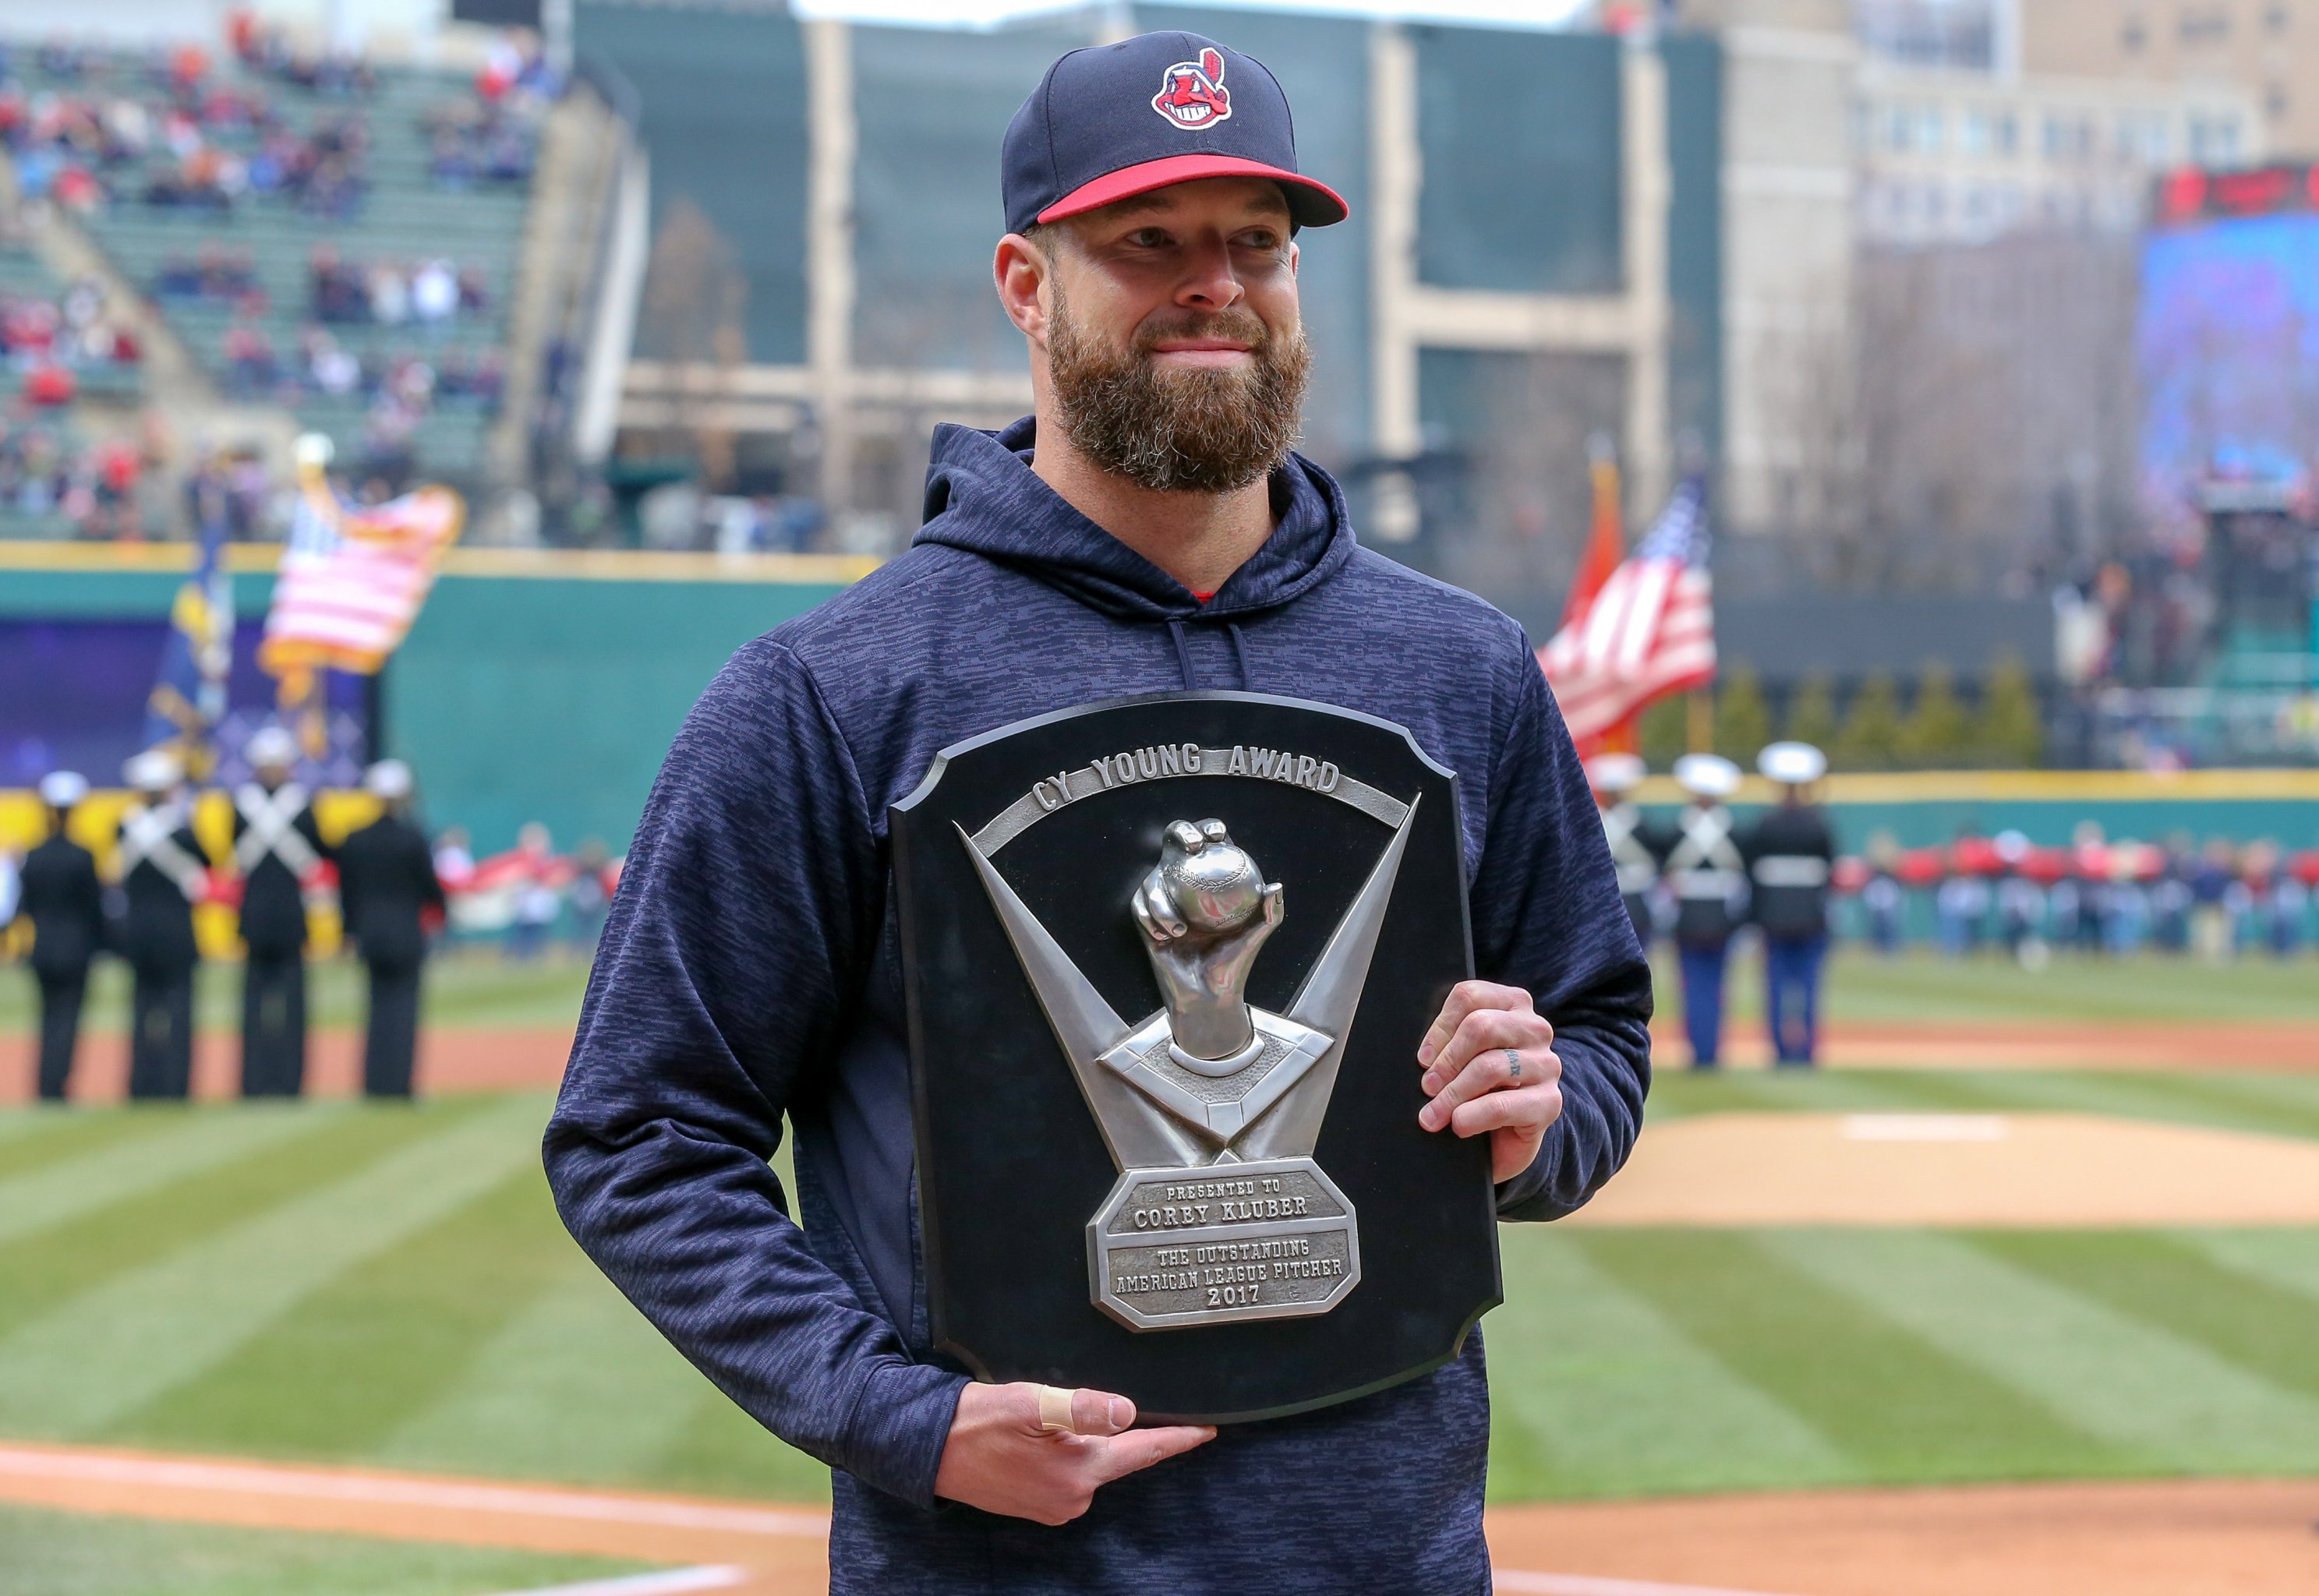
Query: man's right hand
[{"x": 1001, "y": 1458}]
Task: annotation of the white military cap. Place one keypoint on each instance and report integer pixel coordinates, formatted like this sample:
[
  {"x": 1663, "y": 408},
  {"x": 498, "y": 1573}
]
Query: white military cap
[
  {"x": 271, "y": 748},
  {"x": 389, "y": 779},
  {"x": 156, "y": 769},
  {"x": 61, "y": 789},
  {"x": 1798, "y": 764},
  {"x": 1707, "y": 775},
  {"x": 1614, "y": 773}
]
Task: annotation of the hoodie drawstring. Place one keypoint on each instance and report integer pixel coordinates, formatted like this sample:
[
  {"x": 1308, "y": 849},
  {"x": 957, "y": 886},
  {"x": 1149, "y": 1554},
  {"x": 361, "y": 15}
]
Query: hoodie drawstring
[{"x": 1183, "y": 653}]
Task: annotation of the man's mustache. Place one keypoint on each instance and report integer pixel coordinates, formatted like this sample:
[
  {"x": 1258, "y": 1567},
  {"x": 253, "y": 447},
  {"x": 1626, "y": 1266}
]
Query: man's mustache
[{"x": 1241, "y": 327}]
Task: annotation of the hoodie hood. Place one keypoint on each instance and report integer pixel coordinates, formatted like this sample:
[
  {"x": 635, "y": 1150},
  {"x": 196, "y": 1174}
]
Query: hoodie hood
[{"x": 982, "y": 496}]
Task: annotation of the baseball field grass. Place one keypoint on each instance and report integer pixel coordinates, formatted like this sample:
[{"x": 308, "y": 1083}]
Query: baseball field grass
[
  {"x": 45, "y": 1554},
  {"x": 464, "y": 990},
  {"x": 391, "y": 1286},
  {"x": 478, "y": 987}
]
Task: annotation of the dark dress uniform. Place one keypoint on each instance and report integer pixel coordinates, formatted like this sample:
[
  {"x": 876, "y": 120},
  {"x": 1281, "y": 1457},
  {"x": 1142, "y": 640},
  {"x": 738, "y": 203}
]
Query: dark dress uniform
[
  {"x": 1636, "y": 846},
  {"x": 163, "y": 877},
  {"x": 275, "y": 846},
  {"x": 65, "y": 902},
  {"x": 1710, "y": 877},
  {"x": 386, "y": 881},
  {"x": 1790, "y": 854}
]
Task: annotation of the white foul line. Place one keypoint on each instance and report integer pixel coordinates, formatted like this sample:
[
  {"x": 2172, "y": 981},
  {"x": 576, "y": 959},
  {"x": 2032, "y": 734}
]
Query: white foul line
[
  {"x": 458, "y": 1496},
  {"x": 1584, "y": 1585},
  {"x": 596, "y": 1507},
  {"x": 670, "y": 1584}
]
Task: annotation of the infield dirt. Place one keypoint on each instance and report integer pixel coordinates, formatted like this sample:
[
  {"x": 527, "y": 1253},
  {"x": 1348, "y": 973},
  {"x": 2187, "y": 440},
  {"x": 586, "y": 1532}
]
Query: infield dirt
[
  {"x": 2030, "y": 1170},
  {"x": 464, "y": 1059},
  {"x": 2168, "y": 1538}
]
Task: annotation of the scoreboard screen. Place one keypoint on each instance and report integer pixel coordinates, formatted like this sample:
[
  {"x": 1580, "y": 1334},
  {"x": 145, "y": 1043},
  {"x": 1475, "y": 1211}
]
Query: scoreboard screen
[{"x": 2228, "y": 337}]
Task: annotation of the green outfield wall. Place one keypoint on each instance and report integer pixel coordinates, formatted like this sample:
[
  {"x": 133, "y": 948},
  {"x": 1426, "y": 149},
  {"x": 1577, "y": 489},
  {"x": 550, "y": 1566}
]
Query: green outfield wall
[
  {"x": 534, "y": 687},
  {"x": 547, "y": 686},
  {"x": 1923, "y": 807}
]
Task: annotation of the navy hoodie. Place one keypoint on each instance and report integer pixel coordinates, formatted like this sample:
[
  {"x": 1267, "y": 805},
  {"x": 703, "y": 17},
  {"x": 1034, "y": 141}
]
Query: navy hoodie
[{"x": 750, "y": 970}]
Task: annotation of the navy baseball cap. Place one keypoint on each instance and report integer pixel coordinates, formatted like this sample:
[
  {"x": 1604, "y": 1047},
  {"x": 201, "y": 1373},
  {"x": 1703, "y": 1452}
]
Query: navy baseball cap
[{"x": 1114, "y": 120}]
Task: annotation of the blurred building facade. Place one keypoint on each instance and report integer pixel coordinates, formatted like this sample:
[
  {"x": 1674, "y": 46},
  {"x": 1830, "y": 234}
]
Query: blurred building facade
[
  {"x": 1962, "y": 156},
  {"x": 1536, "y": 253},
  {"x": 2267, "y": 48}
]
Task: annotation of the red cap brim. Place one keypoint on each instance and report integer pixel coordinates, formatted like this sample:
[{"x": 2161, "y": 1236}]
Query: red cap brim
[{"x": 1310, "y": 204}]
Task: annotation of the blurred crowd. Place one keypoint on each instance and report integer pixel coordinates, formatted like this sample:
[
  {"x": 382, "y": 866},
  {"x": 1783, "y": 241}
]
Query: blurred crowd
[
  {"x": 2099, "y": 898},
  {"x": 323, "y": 367},
  {"x": 166, "y": 128},
  {"x": 427, "y": 294},
  {"x": 47, "y": 338},
  {"x": 47, "y": 470},
  {"x": 533, "y": 898},
  {"x": 169, "y": 133},
  {"x": 493, "y": 138}
]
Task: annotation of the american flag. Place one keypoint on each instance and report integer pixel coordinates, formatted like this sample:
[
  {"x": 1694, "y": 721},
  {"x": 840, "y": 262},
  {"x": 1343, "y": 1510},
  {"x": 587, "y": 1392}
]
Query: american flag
[
  {"x": 352, "y": 579},
  {"x": 1648, "y": 633}
]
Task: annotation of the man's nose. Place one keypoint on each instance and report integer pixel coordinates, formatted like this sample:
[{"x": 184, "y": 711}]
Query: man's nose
[{"x": 1210, "y": 283}]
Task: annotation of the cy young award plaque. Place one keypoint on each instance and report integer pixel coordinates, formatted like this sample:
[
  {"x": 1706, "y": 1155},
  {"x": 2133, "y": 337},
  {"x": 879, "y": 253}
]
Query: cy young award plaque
[{"x": 1168, "y": 961}]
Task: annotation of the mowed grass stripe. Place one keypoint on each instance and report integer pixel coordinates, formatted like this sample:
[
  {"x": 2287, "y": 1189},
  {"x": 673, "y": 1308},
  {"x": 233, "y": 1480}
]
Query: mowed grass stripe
[
  {"x": 35, "y": 1137},
  {"x": 1900, "y": 1406},
  {"x": 2272, "y": 1332},
  {"x": 2151, "y": 986},
  {"x": 1677, "y": 1092},
  {"x": 2164, "y": 1401},
  {"x": 537, "y": 1402},
  {"x": 483, "y": 991},
  {"x": 74, "y": 1371},
  {"x": 118, "y": 1170},
  {"x": 410, "y": 1319},
  {"x": 2266, "y": 1093},
  {"x": 2286, "y": 1259},
  {"x": 2175, "y": 1099},
  {"x": 720, "y": 1450},
  {"x": 1595, "y": 1392},
  {"x": 42, "y": 1274},
  {"x": 57, "y": 1553}
]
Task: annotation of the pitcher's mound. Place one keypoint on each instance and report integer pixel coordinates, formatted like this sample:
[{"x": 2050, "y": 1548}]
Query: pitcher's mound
[{"x": 2020, "y": 1169}]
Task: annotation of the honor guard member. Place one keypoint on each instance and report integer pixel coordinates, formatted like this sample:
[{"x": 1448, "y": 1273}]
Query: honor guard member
[
  {"x": 163, "y": 875},
  {"x": 65, "y": 903},
  {"x": 1789, "y": 853},
  {"x": 277, "y": 847},
  {"x": 1708, "y": 875},
  {"x": 1636, "y": 845},
  {"x": 1147, "y": 530},
  {"x": 387, "y": 886}
]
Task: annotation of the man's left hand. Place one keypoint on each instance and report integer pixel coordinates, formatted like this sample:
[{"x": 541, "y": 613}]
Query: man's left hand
[{"x": 1489, "y": 1067}]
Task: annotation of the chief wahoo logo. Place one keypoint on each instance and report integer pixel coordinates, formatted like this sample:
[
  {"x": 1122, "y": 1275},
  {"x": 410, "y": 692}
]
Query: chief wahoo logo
[{"x": 1192, "y": 94}]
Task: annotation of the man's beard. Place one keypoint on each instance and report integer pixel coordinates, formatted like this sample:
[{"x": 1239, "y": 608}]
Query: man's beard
[{"x": 1197, "y": 431}]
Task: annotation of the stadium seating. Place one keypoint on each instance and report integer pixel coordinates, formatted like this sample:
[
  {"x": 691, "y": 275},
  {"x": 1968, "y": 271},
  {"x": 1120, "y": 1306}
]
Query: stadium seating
[
  {"x": 24, "y": 275},
  {"x": 404, "y": 216}
]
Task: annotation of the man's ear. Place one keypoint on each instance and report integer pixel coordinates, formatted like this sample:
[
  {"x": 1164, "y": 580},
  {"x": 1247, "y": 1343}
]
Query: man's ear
[
  {"x": 1296, "y": 256},
  {"x": 1020, "y": 271}
]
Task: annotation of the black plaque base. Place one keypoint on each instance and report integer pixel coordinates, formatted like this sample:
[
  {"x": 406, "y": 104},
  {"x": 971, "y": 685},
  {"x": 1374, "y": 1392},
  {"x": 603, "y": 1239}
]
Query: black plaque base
[{"x": 1036, "y": 1266}]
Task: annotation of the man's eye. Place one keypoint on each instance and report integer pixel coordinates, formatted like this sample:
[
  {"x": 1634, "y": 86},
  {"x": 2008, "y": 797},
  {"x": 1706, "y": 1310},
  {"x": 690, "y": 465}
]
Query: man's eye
[{"x": 1148, "y": 238}]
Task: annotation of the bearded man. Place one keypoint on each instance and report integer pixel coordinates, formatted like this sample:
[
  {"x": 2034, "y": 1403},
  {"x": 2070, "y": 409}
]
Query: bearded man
[{"x": 1147, "y": 528}]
